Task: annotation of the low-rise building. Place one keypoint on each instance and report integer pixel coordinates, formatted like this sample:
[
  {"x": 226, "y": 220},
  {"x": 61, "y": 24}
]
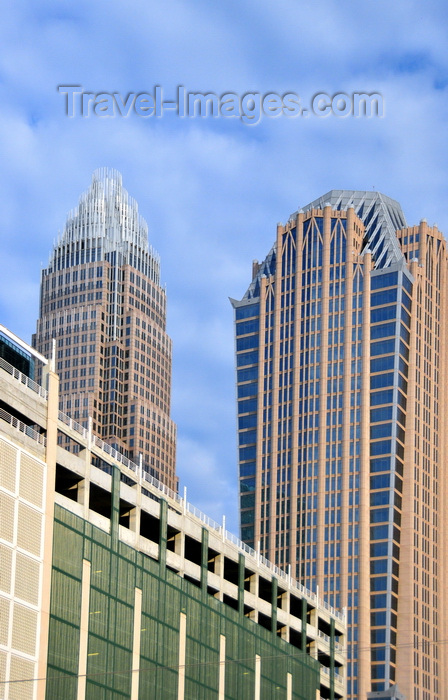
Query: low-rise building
[{"x": 113, "y": 586}]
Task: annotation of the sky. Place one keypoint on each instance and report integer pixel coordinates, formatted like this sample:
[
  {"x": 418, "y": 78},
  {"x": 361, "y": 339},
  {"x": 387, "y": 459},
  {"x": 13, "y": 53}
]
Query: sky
[{"x": 212, "y": 189}]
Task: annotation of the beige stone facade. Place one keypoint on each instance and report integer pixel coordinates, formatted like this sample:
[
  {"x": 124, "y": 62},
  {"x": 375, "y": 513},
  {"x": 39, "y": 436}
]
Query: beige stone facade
[{"x": 103, "y": 305}]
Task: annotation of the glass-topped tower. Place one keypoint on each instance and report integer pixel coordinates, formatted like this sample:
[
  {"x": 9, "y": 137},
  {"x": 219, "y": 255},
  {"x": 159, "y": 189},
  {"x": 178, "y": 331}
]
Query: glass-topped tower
[
  {"x": 102, "y": 303},
  {"x": 340, "y": 353}
]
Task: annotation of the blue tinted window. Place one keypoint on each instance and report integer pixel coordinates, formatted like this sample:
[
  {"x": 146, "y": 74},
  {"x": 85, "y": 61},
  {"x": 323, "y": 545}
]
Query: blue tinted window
[
  {"x": 248, "y": 390},
  {"x": 247, "y": 358},
  {"x": 400, "y": 433},
  {"x": 247, "y": 453},
  {"x": 407, "y": 284},
  {"x": 248, "y": 437},
  {"x": 247, "y": 500},
  {"x": 247, "y": 311},
  {"x": 249, "y": 421},
  {"x": 404, "y": 350},
  {"x": 381, "y": 431},
  {"x": 249, "y": 341},
  {"x": 247, "y": 533},
  {"x": 382, "y": 380},
  {"x": 379, "y": 567},
  {"x": 382, "y": 347},
  {"x": 380, "y": 498},
  {"x": 379, "y": 532},
  {"x": 403, "y": 366},
  {"x": 379, "y": 549},
  {"x": 404, "y": 333},
  {"x": 402, "y": 384},
  {"x": 247, "y": 469},
  {"x": 379, "y": 397},
  {"x": 379, "y": 653},
  {"x": 247, "y": 406},
  {"x": 380, "y": 515},
  {"x": 405, "y": 317},
  {"x": 379, "y": 481},
  {"x": 382, "y": 331},
  {"x": 401, "y": 400},
  {"x": 378, "y": 620},
  {"x": 378, "y": 601},
  {"x": 247, "y": 517},
  {"x": 406, "y": 301},
  {"x": 248, "y": 326},
  {"x": 383, "y": 314},
  {"x": 378, "y": 584},
  {"x": 380, "y": 448},
  {"x": 382, "y": 298},
  {"x": 247, "y": 485},
  {"x": 377, "y": 415},
  {"x": 401, "y": 418},
  {"x": 386, "y": 280},
  {"x": 247, "y": 375},
  {"x": 382, "y": 364},
  {"x": 380, "y": 464}
]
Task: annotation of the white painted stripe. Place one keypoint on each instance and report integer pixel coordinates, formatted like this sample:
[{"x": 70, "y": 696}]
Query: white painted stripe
[
  {"x": 222, "y": 667},
  {"x": 288, "y": 686},
  {"x": 136, "y": 643},
  {"x": 257, "y": 677},
  {"x": 182, "y": 649},
  {"x": 84, "y": 630}
]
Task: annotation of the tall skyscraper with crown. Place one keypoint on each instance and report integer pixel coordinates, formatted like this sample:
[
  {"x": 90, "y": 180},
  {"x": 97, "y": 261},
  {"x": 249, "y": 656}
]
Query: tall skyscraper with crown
[
  {"x": 341, "y": 358},
  {"x": 103, "y": 305}
]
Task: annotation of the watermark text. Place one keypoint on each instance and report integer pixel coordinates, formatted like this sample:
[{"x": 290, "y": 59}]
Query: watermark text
[{"x": 249, "y": 107}]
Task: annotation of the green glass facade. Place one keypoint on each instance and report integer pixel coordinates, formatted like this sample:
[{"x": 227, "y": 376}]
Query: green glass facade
[{"x": 116, "y": 570}]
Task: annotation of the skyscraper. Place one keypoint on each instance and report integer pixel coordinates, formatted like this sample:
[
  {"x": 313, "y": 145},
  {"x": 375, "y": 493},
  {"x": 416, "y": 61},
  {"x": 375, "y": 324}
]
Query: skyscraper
[
  {"x": 102, "y": 302},
  {"x": 341, "y": 354}
]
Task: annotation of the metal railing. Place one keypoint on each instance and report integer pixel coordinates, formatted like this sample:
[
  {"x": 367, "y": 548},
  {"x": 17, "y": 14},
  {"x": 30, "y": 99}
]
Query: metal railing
[
  {"x": 118, "y": 456},
  {"x": 191, "y": 509},
  {"x": 70, "y": 423},
  {"x": 188, "y": 507},
  {"x": 327, "y": 639},
  {"x": 23, "y": 379},
  {"x": 229, "y": 536},
  {"x": 22, "y": 427}
]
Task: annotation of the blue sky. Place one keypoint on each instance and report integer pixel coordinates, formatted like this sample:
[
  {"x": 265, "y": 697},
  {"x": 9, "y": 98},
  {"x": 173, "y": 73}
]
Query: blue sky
[{"x": 212, "y": 190}]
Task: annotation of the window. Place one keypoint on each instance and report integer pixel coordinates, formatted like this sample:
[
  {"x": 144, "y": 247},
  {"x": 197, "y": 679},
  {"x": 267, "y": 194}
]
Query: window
[
  {"x": 380, "y": 397},
  {"x": 380, "y": 464},
  {"x": 380, "y": 431},
  {"x": 379, "y": 481},
  {"x": 377, "y": 415},
  {"x": 381, "y": 364},
  {"x": 383, "y": 314},
  {"x": 379, "y": 532},
  {"x": 380, "y": 281},
  {"x": 382, "y": 380},
  {"x": 382, "y": 331},
  {"x": 247, "y": 311},
  {"x": 383, "y": 347},
  {"x": 381, "y": 298}
]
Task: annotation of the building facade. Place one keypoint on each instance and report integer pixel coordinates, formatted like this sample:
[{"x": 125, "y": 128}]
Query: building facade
[
  {"x": 341, "y": 357},
  {"x": 112, "y": 586},
  {"x": 102, "y": 302}
]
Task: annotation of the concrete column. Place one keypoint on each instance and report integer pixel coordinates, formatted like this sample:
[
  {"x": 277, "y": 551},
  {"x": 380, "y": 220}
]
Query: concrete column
[
  {"x": 50, "y": 459},
  {"x": 323, "y": 396},
  {"x": 364, "y": 496}
]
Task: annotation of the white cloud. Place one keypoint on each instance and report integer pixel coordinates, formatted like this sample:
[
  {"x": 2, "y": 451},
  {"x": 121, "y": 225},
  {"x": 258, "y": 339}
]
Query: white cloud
[{"x": 211, "y": 190}]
